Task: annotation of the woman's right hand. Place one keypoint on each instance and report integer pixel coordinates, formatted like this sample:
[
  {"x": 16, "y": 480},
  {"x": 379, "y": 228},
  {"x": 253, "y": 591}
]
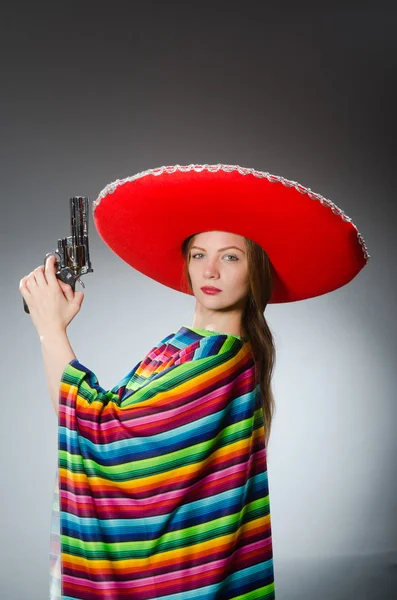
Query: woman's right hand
[{"x": 52, "y": 303}]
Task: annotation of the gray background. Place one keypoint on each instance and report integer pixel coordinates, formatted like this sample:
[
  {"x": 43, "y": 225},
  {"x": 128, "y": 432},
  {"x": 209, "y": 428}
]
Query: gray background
[{"x": 90, "y": 94}]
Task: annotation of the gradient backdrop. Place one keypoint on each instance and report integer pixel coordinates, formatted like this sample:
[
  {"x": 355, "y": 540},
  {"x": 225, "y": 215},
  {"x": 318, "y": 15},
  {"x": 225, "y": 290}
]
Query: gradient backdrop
[{"x": 91, "y": 93}]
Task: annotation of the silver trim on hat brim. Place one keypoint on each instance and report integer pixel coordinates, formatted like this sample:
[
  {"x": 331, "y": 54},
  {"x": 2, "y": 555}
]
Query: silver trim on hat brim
[{"x": 111, "y": 187}]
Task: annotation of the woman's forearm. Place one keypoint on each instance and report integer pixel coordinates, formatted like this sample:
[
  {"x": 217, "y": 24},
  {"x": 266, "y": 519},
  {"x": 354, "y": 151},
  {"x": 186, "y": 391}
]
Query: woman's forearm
[{"x": 57, "y": 353}]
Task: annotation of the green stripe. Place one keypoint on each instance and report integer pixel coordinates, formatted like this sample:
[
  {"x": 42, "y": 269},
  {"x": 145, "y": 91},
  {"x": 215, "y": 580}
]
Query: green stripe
[
  {"x": 264, "y": 593},
  {"x": 171, "y": 540},
  {"x": 156, "y": 465}
]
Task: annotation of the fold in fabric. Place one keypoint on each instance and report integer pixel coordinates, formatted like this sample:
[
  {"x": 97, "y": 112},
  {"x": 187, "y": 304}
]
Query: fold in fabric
[{"x": 163, "y": 489}]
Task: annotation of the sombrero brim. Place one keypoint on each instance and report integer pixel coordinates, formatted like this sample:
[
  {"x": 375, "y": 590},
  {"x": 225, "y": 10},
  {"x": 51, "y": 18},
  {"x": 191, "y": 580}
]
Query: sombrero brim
[{"x": 313, "y": 246}]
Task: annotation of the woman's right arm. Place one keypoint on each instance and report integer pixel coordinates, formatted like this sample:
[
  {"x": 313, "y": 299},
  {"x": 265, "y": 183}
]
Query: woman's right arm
[{"x": 57, "y": 353}]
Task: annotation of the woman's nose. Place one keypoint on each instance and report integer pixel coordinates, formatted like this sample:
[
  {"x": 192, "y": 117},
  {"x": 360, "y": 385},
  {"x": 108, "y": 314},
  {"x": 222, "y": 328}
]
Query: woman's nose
[{"x": 210, "y": 269}]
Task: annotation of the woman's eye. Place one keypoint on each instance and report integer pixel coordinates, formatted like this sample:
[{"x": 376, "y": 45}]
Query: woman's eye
[{"x": 199, "y": 254}]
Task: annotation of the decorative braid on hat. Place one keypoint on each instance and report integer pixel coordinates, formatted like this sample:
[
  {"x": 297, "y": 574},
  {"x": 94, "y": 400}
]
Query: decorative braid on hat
[{"x": 110, "y": 188}]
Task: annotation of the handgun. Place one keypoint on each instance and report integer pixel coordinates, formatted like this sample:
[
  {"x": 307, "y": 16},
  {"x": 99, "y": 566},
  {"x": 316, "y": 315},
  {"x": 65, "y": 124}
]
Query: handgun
[{"x": 72, "y": 255}]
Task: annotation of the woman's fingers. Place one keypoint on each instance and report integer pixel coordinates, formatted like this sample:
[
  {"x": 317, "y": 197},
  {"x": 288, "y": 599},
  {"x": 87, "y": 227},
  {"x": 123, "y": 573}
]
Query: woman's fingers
[
  {"x": 67, "y": 289},
  {"x": 45, "y": 276},
  {"x": 39, "y": 276},
  {"x": 52, "y": 303},
  {"x": 50, "y": 269},
  {"x": 35, "y": 279},
  {"x": 30, "y": 280},
  {"x": 24, "y": 288},
  {"x": 50, "y": 274}
]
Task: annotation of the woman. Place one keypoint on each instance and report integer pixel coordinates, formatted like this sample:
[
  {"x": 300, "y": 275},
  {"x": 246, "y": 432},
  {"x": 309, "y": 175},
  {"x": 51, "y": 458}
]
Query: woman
[{"x": 163, "y": 479}]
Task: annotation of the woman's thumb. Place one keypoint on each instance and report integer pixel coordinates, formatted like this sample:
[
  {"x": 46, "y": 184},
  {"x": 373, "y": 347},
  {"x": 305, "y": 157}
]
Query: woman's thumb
[{"x": 67, "y": 289}]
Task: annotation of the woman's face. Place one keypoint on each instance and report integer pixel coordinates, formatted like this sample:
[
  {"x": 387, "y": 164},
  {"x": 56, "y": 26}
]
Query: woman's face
[{"x": 213, "y": 263}]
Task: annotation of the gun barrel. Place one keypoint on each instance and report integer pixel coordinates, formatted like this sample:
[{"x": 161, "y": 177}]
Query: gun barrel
[
  {"x": 78, "y": 218},
  {"x": 79, "y": 250}
]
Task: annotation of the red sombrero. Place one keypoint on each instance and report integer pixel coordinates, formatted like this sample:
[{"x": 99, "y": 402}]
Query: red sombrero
[{"x": 313, "y": 246}]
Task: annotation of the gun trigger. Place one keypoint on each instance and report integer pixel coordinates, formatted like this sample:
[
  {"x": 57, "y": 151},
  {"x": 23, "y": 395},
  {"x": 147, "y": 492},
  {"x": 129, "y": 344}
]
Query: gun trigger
[{"x": 81, "y": 283}]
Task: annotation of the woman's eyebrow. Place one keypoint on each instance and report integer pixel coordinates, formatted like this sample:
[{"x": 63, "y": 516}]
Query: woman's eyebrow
[{"x": 220, "y": 249}]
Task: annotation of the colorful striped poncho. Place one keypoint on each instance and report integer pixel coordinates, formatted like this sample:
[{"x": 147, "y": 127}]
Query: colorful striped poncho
[{"x": 163, "y": 489}]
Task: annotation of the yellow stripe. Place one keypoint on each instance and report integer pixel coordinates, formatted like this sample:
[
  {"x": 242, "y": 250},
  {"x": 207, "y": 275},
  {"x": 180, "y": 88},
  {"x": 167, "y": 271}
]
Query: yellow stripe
[
  {"x": 169, "y": 555},
  {"x": 159, "y": 478}
]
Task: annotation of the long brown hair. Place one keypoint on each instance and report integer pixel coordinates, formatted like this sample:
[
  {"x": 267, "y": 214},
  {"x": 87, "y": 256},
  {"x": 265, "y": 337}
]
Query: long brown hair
[{"x": 253, "y": 320}]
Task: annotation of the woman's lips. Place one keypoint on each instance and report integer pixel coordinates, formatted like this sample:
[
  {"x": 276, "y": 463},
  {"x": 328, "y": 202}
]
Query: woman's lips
[{"x": 209, "y": 290}]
